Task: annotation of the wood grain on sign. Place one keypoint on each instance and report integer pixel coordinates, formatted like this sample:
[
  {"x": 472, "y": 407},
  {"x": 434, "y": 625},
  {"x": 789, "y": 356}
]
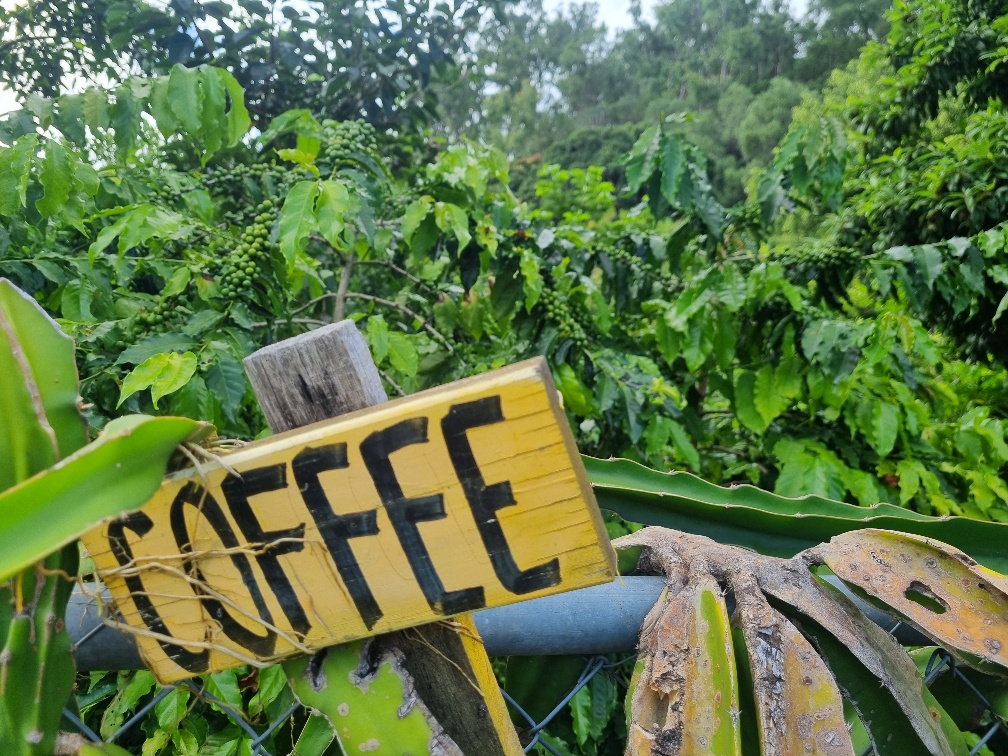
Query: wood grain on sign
[{"x": 458, "y": 498}]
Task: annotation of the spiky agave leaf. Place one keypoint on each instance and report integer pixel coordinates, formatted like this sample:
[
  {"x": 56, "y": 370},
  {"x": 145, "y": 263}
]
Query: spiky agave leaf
[
  {"x": 685, "y": 690},
  {"x": 796, "y": 650},
  {"x": 935, "y": 587},
  {"x": 768, "y": 523},
  {"x": 52, "y": 488}
]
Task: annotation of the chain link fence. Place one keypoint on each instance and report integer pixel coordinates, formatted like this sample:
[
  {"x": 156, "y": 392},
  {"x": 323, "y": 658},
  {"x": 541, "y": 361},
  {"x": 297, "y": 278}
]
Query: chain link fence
[{"x": 940, "y": 664}]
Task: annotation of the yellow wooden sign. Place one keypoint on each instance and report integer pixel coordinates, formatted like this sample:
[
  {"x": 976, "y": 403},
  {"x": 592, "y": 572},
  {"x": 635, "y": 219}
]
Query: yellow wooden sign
[{"x": 458, "y": 498}]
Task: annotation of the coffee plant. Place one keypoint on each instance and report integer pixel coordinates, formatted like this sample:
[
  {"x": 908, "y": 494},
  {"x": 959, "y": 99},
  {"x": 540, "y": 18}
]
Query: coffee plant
[{"x": 171, "y": 243}]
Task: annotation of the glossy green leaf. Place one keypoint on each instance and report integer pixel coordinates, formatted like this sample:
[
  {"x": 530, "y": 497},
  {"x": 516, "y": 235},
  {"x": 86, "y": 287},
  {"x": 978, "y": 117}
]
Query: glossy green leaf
[
  {"x": 532, "y": 280},
  {"x": 402, "y": 354},
  {"x": 138, "y": 225},
  {"x": 316, "y": 736},
  {"x": 297, "y": 219},
  {"x": 154, "y": 744},
  {"x": 185, "y": 97},
  {"x": 125, "y": 119},
  {"x": 226, "y": 380},
  {"x": 768, "y": 398},
  {"x": 213, "y": 126},
  {"x": 132, "y": 687},
  {"x": 745, "y": 402},
  {"x": 640, "y": 163},
  {"x": 577, "y": 397},
  {"x": 116, "y": 473},
  {"x": 377, "y": 337},
  {"x": 223, "y": 685},
  {"x": 238, "y": 120},
  {"x": 771, "y": 524},
  {"x": 48, "y": 354},
  {"x": 172, "y": 708},
  {"x": 672, "y": 166},
  {"x": 14, "y": 168},
  {"x": 885, "y": 427},
  {"x": 450, "y": 217},
  {"x": 56, "y": 178},
  {"x": 415, "y": 214},
  {"x": 161, "y": 373},
  {"x": 160, "y": 107},
  {"x": 333, "y": 202}
]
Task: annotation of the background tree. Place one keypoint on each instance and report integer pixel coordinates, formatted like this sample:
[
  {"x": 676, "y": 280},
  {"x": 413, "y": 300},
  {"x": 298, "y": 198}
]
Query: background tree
[
  {"x": 836, "y": 30},
  {"x": 924, "y": 118},
  {"x": 344, "y": 59},
  {"x": 535, "y": 80}
]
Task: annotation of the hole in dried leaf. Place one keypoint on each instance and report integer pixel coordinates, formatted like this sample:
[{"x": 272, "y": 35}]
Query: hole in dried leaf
[{"x": 924, "y": 596}]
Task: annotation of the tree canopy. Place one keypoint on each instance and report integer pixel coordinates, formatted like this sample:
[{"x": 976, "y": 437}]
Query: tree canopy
[
  {"x": 345, "y": 59},
  {"x": 815, "y": 305}
]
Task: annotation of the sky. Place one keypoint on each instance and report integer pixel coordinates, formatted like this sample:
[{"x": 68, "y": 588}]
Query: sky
[{"x": 614, "y": 13}]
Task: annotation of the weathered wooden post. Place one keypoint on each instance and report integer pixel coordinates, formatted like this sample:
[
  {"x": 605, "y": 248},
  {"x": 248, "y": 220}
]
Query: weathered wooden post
[
  {"x": 389, "y": 518},
  {"x": 329, "y": 372}
]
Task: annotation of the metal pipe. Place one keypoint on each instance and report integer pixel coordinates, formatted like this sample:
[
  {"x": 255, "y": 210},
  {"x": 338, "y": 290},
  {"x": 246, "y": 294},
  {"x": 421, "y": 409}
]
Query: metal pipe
[{"x": 599, "y": 620}]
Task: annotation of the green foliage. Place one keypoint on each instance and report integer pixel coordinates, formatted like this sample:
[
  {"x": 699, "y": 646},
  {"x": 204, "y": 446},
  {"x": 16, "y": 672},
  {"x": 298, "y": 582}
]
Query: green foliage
[
  {"x": 557, "y": 87},
  {"x": 809, "y": 340},
  {"x": 53, "y": 488},
  {"x": 765, "y": 522},
  {"x": 914, "y": 141},
  {"x": 298, "y": 55},
  {"x": 955, "y": 46}
]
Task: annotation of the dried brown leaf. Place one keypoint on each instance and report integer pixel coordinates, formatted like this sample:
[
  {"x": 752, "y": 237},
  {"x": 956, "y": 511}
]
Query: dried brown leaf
[
  {"x": 799, "y": 704},
  {"x": 938, "y": 588}
]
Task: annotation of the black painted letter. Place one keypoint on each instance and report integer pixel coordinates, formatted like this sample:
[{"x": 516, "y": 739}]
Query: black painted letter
[
  {"x": 337, "y": 530},
  {"x": 237, "y": 492},
  {"x": 485, "y": 500},
  {"x": 406, "y": 513},
  {"x": 192, "y": 661},
  {"x": 209, "y": 509}
]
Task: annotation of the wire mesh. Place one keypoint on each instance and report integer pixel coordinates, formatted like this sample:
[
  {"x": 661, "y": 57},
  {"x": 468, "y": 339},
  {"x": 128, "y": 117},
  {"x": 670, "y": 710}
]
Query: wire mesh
[{"x": 940, "y": 663}]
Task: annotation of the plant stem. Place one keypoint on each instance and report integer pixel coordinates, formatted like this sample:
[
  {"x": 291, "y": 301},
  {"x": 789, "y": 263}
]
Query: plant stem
[
  {"x": 344, "y": 287},
  {"x": 405, "y": 310}
]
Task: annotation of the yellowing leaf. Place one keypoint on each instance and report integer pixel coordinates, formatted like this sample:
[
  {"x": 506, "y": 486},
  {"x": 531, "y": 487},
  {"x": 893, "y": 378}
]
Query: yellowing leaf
[
  {"x": 800, "y": 711},
  {"x": 935, "y": 586},
  {"x": 686, "y": 691},
  {"x": 799, "y": 706}
]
